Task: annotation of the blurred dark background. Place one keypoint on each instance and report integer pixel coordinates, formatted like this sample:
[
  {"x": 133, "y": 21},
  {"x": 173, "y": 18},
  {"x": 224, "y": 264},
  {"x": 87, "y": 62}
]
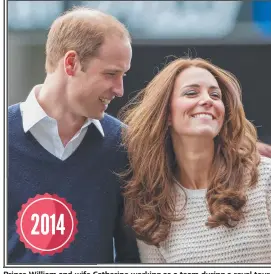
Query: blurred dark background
[
  {"x": 250, "y": 63},
  {"x": 235, "y": 35}
]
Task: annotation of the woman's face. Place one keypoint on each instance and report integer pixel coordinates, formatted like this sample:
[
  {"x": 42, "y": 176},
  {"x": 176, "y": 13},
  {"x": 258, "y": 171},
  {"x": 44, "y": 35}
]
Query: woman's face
[{"x": 196, "y": 107}]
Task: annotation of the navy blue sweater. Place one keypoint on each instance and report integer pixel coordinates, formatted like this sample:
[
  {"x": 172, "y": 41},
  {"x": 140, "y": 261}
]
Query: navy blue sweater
[{"x": 86, "y": 180}]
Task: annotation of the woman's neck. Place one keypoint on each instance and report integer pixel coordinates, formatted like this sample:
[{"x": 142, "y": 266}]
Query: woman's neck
[{"x": 194, "y": 157}]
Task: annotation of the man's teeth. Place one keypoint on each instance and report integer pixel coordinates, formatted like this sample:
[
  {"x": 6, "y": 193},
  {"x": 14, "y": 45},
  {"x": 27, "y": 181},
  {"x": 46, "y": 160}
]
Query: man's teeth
[
  {"x": 203, "y": 115},
  {"x": 104, "y": 101}
]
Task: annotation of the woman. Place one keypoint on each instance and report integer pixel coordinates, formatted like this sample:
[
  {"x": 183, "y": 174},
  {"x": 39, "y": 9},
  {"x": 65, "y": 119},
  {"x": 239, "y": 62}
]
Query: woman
[{"x": 198, "y": 191}]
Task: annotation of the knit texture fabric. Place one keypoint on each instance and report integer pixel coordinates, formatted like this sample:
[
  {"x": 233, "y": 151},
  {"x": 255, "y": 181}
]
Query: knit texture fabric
[{"x": 191, "y": 241}]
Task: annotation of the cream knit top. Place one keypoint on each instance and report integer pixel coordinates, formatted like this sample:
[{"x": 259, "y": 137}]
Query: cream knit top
[{"x": 191, "y": 241}]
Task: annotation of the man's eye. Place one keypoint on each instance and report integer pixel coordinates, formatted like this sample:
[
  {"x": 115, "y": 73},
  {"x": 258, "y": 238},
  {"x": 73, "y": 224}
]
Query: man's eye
[{"x": 115, "y": 74}]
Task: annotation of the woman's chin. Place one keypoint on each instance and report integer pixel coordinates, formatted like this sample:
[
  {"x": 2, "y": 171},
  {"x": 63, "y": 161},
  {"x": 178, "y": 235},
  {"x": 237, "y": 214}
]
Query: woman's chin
[
  {"x": 206, "y": 130},
  {"x": 204, "y": 133},
  {"x": 198, "y": 132}
]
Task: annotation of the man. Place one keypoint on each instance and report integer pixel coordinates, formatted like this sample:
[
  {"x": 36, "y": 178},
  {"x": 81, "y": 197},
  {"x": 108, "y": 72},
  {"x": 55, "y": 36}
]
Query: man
[{"x": 61, "y": 141}]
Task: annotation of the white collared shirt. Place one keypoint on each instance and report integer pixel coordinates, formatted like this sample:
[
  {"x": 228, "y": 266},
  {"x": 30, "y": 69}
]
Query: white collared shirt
[{"x": 45, "y": 130}]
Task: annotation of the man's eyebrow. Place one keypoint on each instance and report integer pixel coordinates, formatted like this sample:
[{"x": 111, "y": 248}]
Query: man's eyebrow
[{"x": 115, "y": 69}]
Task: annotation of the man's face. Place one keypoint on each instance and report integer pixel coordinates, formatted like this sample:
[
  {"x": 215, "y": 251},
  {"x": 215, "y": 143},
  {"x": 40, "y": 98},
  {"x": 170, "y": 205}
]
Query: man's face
[{"x": 90, "y": 91}]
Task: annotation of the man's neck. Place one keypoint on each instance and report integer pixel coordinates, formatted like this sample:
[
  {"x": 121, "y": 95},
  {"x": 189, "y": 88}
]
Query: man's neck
[{"x": 52, "y": 99}]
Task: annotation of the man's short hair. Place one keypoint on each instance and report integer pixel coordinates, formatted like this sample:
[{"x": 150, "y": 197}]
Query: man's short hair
[{"x": 82, "y": 30}]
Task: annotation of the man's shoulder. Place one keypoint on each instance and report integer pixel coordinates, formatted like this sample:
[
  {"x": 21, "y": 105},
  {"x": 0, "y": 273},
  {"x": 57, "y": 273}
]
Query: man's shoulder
[
  {"x": 111, "y": 125},
  {"x": 13, "y": 112},
  {"x": 113, "y": 129},
  {"x": 109, "y": 119},
  {"x": 13, "y": 108}
]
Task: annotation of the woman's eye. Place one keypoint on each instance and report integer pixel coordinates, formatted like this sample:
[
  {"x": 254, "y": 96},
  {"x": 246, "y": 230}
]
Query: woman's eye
[
  {"x": 190, "y": 92},
  {"x": 216, "y": 95}
]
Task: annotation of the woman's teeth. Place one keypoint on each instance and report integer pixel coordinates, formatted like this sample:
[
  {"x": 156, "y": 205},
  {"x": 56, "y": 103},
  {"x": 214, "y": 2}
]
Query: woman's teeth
[{"x": 207, "y": 116}]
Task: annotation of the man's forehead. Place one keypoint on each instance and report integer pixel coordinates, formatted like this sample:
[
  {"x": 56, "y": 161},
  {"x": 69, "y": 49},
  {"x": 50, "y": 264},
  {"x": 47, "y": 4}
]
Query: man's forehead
[
  {"x": 115, "y": 63},
  {"x": 116, "y": 48},
  {"x": 115, "y": 56},
  {"x": 118, "y": 67}
]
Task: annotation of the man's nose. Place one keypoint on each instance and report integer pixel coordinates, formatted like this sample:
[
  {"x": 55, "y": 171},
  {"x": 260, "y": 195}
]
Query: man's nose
[{"x": 118, "y": 87}]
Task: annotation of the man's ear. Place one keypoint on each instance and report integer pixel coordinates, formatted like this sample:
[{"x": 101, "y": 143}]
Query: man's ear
[{"x": 70, "y": 62}]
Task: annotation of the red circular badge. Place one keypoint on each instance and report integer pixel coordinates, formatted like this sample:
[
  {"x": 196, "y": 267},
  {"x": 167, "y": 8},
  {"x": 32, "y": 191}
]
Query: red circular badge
[{"x": 46, "y": 224}]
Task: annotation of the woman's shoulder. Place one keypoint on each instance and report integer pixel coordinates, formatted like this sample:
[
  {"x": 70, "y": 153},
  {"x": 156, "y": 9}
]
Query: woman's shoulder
[
  {"x": 265, "y": 171},
  {"x": 265, "y": 165}
]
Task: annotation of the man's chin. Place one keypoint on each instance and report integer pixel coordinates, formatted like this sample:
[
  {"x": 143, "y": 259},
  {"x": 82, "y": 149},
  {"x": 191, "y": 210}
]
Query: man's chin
[
  {"x": 99, "y": 116},
  {"x": 96, "y": 116}
]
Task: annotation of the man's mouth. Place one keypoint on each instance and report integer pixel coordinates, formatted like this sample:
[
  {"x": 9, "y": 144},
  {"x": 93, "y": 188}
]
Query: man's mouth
[{"x": 105, "y": 101}]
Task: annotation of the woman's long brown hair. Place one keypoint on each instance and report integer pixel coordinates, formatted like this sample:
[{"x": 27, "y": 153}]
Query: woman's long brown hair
[{"x": 149, "y": 192}]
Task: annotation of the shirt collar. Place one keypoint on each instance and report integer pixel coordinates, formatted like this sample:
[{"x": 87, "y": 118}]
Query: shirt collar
[{"x": 32, "y": 113}]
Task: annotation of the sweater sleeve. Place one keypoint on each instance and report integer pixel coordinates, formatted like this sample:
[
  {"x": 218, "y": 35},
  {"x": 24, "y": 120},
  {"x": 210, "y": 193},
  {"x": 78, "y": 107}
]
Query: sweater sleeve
[
  {"x": 125, "y": 245},
  {"x": 126, "y": 250},
  {"x": 150, "y": 253},
  {"x": 269, "y": 204},
  {"x": 269, "y": 196},
  {"x": 265, "y": 180}
]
